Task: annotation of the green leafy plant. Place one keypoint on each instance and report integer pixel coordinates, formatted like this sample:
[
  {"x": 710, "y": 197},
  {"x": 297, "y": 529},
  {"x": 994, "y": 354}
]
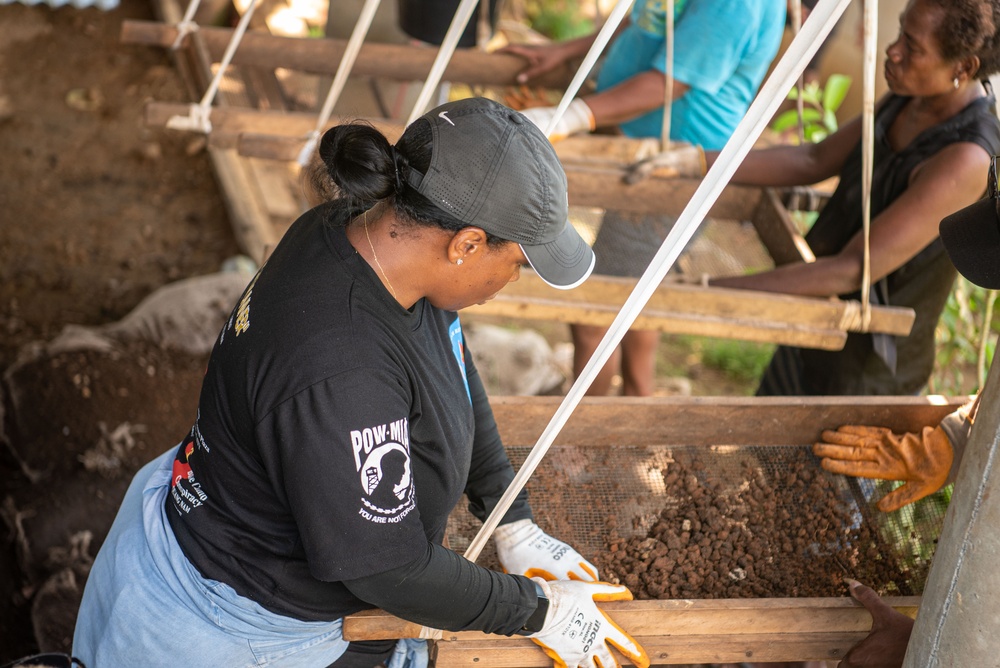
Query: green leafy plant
[
  {"x": 741, "y": 360},
  {"x": 559, "y": 20},
  {"x": 965, "y": 338},
  {"x": 820, "y": 104}
]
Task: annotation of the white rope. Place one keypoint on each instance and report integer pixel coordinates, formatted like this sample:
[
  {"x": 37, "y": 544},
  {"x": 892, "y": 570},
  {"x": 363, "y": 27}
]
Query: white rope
[
  {"x": 770, "y": 97},
  {"x": 186, "y": 25},
  {"x": 340, "y": 79},
  {"x": 199, "y": 115},
  {"x": 668, "y": 70},
  {"x": 867, "y": 154},
  {"x": 850, "y": 318},
  {"x": 604, "y": 36},
  {"x": 455, "y": 30}
]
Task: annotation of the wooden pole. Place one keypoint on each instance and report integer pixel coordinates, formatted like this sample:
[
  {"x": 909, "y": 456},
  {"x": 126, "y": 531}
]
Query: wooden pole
[{"x": 322, "y": 56}]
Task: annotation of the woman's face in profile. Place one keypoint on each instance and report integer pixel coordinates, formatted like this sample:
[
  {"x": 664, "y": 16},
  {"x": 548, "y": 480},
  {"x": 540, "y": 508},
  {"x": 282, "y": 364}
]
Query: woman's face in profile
[
  {"x": 914, "y": 65},
  {"x": 481, "y": 276}
]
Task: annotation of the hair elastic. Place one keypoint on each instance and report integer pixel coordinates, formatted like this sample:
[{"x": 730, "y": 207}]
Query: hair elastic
[{"x": 397, "y": 167}]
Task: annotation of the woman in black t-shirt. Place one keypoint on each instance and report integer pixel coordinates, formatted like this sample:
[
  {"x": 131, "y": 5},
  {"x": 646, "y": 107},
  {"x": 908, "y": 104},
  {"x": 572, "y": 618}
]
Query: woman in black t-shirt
[{"x": 341, "y": 419}]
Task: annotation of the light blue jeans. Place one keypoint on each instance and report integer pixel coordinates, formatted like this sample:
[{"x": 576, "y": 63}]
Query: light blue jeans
[{"x": 146, "y": 605}]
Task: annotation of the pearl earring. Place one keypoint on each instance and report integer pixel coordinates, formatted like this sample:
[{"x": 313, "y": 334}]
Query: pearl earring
[
  {"x": 459, "y": 261},
  {"x": 955, "y": 81}
]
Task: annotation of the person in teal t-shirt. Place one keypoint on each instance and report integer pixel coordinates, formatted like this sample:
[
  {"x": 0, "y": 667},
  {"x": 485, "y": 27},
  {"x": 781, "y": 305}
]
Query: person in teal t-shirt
[{"x": 722, "y": 50}]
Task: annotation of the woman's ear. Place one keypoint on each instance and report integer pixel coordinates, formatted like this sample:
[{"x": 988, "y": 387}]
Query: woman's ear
[
  {"x": 466, "y": 244},
  {"x": 968, "y": 67}
]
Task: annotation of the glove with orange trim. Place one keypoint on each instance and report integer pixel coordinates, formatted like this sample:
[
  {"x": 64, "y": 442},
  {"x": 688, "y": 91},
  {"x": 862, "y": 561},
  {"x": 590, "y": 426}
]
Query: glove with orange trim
[
  {"x": 524, "y": 549},
  {"x": 922, "y": 460},
  {"x": 577, "y": 118},
  {"x": 577, "y": 634}
]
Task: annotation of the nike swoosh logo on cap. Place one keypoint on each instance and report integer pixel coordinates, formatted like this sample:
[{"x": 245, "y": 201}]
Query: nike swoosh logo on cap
[{"x": 444, "y": 115}]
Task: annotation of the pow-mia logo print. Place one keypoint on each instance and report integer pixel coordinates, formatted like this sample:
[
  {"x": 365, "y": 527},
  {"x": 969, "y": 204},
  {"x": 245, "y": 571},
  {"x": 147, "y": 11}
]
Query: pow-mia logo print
[{"x": 382, "y": 459}]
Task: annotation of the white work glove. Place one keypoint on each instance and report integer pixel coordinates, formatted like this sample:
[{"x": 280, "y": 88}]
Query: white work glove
[
  {"x": 578, "y": 118},
  {"x": 577, "y": 634},
  {"x": 524, "y": 549}
]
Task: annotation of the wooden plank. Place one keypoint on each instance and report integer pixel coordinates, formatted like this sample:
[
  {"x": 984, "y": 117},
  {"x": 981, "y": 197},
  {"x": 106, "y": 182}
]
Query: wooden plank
[
  {"x": 677, "y": 617},
  {"x": 251, "y": 220},
  {"x": 681, "y": 631},
  {"x": 275, "y": 180},
  {"x": 744, "y": 328},
  {"x": 664, "y": 650},
  {"x": 291, "y": 128},
  {"x": 708, "y": 421},
  {"x": 777, "y": 231},
  {"x": 323, "y": 56},
  {"x": 588, "y": 185},
  {"x": 722, "y": 312},
  {"x": 673, "y": 631},
  {"x": 655, "y": 195},
  {"x": 740, "y": 314}
]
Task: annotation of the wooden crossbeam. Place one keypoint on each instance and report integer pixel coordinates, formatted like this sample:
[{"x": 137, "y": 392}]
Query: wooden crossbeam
[
  {"x": 663, "y": 650},
  {"x": 672, "y": 631},
  {"x": 684, "y": 309},
  {"x": 287, "y": 131},
  {"x": 778, "y": 233},
  {"x": 709, "y": 421},
  {"x": 322, "y": 56},
  {"x": 595, "y": 183}
]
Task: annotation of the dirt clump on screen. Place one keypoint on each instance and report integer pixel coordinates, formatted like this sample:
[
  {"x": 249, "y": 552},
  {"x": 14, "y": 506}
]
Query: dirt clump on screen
[{"x": 764, "y": 538}]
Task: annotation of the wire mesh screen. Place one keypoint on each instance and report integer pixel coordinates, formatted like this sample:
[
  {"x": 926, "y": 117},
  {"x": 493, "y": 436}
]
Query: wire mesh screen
[{"x": 723, "y": 522}]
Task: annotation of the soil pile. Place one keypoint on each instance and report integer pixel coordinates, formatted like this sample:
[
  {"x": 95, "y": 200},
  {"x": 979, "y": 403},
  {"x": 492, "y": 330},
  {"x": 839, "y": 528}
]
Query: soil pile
[
  {"x": 797, "y": 537},
  {"x": 98, "y": 210},
  {"x": 84, "y": 423}
]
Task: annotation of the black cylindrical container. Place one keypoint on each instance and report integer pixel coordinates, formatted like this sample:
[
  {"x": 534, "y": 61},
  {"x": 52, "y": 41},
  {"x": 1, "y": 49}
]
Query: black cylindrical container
[{"x": 428, "y": 20}]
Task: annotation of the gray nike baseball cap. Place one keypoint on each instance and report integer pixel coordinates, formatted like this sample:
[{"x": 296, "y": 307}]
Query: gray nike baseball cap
[{"x": 493, "y": 168}]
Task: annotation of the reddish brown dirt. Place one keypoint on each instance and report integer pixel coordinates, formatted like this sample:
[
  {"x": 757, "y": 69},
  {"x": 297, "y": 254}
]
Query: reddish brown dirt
[
  {"x": 97, "y": 211},
  {"x": 793, "y": 537}
]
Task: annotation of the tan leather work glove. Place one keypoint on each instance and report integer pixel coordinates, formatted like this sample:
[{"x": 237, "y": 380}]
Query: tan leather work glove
[{"x": 922, "y": 460}]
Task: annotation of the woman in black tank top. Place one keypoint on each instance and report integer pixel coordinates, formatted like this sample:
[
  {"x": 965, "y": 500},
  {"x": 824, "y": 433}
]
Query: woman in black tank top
[{"x": 935, "y": 132}]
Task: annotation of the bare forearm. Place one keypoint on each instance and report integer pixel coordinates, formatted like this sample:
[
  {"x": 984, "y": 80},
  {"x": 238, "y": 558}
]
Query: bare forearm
[
  {"x": 631, "y": 98},
  {"x": 796, "y": 165},
  {"x": 778, "y": 166},
  {"x": 826, "y": 277}
]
